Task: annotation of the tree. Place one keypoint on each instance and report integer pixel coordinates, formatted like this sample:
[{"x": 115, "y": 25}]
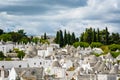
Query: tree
[
  {"x": 114, "y": 38},
  {"x": 61, "y": 42},
  {"x": 81, "y": 44},
  {"x": 6, "y": 37},
  {"x": 68, "y": 38},
  {"x": 77, "y": 40},
  {"x": 20, "y": 54},
  {"x": 96, "y": 44},
  {"x": 73, "y": 38},
  {"x": 106, "y": 36},
  {"x": 1, "y": 31},
  {"x": 25, "y": 40},
  {"x": 88, "y": 35},
  {"x": 94, "y": 36},
  {"x": 22, "y": 32},
  {"x": 114, "y": 47},
  {"x": 57, "y": 37},
  {"x": 98, "y": 35},
  {"x": 15, "y": 37},
  {"x": 35, "y": 40},
  {"x": 82, "y": 37},
  {"x": 45, "y": 36},
  {"x": 65, "y": 38},
  {"x": 1, "y": 54}
]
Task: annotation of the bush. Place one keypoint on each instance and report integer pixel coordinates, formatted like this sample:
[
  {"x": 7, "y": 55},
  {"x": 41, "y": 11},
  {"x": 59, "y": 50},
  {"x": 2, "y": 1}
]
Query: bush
[
  {"x": 76, "y": 44},
  {"x": 114, "y": 47},
  {"x": 20, "y": 54},
  {"x": 8, "y": 59},
  {"x": 1, "y": 55},
  {"x": 115, "y": 54},
  {"x": 44, "y": 41},
  {"x": 96, "y": 54},
  {"x": 1, "y": 59},
  {"x": 96, "y": 44},
  {"x": 105, "y": 49},
  {"x": 81, "y": 44}
]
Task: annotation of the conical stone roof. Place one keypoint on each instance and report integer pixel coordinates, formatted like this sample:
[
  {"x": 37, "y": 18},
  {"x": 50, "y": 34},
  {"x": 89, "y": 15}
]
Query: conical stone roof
[
  {"x": 56, "y": 63},
  {"x": 114, "y": 70}
]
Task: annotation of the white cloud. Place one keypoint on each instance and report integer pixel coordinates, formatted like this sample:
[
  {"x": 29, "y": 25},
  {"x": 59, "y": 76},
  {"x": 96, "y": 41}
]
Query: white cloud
[{"x": 97, "y": 14}]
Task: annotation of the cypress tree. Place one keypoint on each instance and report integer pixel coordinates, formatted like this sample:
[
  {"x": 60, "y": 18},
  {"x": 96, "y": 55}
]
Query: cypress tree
[
  {"x": 69, "y": 38},
  {"x": 45, "y": 36},
  {"x": 65, "y": 37},
  {"x": 94, "y": 36},
  {"x": 77, "y": 40},
  {"x": 61, "y": 41},
  {"x": 82, "y": 37},
  {"x": 1, "y": 31},
  {"x": 106, "y": 35},
  {"x": 72, "y": 38},
  {"x": 98, "y": 35},
  {"x": 57, "y": 37}
]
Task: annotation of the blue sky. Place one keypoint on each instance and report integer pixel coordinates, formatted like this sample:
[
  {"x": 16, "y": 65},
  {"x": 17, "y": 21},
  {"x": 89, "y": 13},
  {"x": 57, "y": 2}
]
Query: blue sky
[{"x": 39, "y": 16}]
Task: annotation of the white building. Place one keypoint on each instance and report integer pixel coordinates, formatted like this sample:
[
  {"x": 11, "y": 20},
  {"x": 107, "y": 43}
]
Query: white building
[
  {"x": 5, "y": 48},
  {"x": 45, "y": 53},
  {"x": 107, "y": 77}
]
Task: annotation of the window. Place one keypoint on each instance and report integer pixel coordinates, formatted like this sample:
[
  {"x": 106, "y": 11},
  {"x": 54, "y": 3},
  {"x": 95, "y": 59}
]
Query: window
[
  {"x": 19, "y": 66},
  {"x": 40, "y": 63}
]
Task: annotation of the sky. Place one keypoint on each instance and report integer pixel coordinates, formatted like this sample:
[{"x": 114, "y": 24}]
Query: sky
[{"x": 39, "y": 16}]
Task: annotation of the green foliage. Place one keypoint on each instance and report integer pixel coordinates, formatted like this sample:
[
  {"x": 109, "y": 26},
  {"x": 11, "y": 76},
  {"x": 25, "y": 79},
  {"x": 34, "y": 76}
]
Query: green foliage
[
  {"x": 114, "y": 38},
  {"x": 81, "y": 44},
  {"x": 57, "y": 37},
  {"x": 36, "y": 40},
  {"x": 1, "y": 55},
  {"x": 96, "y": 44},
  {"x": 21, "y": 32},
  {"x": 44, "y": 41},
  {"x": 115, "y": 54},
  {"x": 8, "y": 59},
  {"x": 6, "y": 37},
  {"x": 105, "y": 49},
  {"x": 20, "y": 54},
  {"x": 61, "y": 40},
  {"x": 103, "y": 36},
  {"x": 76, "y": 44},
  {"x": 1, "y": 31},
  {"x": 114, "y": 47},
  {"x": 106, "y": 35},
  {"x": 81, "y": 37},
  {"x": 15, "y": 49},
  {"x": 96, "y": 54},
  {"x": 66, "y": 39},
  {"x": 25, "y": 40},
  {"x": 45, "y": 36},
  {"x": 94, "y": 36},
  {"x": 1, "y": 59},
  {"x": 15, "y": 36},
  {"x": 73, "y": 38},
  {"x": 98, "y": 35}
]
